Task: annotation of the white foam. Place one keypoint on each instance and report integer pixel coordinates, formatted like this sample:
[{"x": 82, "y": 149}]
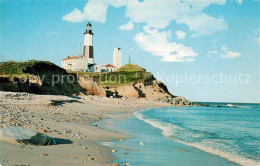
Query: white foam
[
  {"x": 237, "y": 106},
  {"x": 16, "y": 133},
  {"x": 167, "y": 131},
  {"x": 230, "y": 157}
]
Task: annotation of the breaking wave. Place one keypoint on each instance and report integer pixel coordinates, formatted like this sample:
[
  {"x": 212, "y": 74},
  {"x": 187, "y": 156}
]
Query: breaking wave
[{"x": 173, "y": 132}]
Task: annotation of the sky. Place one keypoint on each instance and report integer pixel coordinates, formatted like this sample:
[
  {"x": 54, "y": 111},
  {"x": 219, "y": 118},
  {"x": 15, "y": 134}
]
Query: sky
[{"x": 204, "y": 50}]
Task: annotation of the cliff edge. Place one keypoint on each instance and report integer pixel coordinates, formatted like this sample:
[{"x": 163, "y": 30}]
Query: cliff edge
[{"x": 41, "y": 77}]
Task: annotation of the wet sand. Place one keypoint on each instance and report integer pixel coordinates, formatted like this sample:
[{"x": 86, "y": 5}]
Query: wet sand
[{"x": 72, "y": 119}]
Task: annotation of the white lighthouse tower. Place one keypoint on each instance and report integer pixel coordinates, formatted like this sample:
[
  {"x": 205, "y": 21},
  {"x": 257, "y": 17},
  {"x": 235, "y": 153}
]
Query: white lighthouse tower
[
  {"x": 88, "y": 45},
  {"x": 117, "y": 57}
]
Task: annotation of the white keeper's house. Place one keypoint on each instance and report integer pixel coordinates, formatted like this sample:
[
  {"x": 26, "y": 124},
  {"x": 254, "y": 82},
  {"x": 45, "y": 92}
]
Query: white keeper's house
[{"x": 85, "y": 62}]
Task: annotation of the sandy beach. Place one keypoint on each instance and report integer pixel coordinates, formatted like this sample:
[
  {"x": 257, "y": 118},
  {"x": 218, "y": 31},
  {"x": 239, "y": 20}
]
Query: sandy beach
[{"x": 72, "y": 119}]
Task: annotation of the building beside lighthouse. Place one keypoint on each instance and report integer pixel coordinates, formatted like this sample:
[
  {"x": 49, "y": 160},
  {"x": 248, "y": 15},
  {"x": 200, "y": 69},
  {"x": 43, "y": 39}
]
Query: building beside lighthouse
[
  {"x": 74, "y": 63},
  {"x": 85, "y": 62}
]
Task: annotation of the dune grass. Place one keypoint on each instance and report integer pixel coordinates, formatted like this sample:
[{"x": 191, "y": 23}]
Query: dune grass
[
  {"x": 17, "y": 68},
  {"x": 116, "y": 78},
  {"x": 130, "y": 67},
  {"x": 126, "y": 75}
]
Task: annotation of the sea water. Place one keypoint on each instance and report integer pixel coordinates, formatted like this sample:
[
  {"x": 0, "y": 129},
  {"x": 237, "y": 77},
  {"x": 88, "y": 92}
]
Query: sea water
[{"x": 211, "y": 135}]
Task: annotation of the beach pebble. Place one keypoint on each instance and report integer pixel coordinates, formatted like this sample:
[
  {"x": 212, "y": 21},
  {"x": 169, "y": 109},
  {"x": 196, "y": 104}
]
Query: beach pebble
[
  {"x": 113, "y": 150},
  {"x": 141, "y": 143},
  {"x": 43, "y": 154},
  {"x": 114, "y": 164},
  {"x": 66, "y": 131},
  {"x": 42, "y": 131},
  {"x": 84, "y": 147},
  {"x": 91, "y": 158}
]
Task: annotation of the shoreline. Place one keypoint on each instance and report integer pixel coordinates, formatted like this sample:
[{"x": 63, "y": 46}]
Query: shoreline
[
  {"x": 73, "y": 119},
  {"x": 78, "y": 120},
  {"x": 137, "y": 141}
]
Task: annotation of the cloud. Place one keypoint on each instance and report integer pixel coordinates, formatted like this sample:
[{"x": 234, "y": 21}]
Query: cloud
[
  {"x": 227, "y": 54},
  {"x": 257, "y": 36},
  {"x": 224, "y": 53},
  {"x": 180, "y": 34},
  {"x": 240, "y": 2},
  {"x": 157, "y": 14},
  {"x": 224, "y": 48},
  {"x": 74, "y": 16},
  {"x": 158, "y": 45},
  {"x": 230, "y": 54},
  {"x": 94, "y": 10},
  {"x": 127, "y": 27},
  {"x": 213, "y": 52},
  {"x": 203, "y": 24}
]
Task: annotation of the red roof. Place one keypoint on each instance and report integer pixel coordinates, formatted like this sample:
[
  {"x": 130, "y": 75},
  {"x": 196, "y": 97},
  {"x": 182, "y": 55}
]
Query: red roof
[
  {"x": 71, "y": 57},
  {"x": 109, "y": 65}
]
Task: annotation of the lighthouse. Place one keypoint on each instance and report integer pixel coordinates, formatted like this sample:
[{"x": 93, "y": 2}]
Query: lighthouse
[
  {"x": 88, "y": 44},
  {"x": 85, "y": 62}
]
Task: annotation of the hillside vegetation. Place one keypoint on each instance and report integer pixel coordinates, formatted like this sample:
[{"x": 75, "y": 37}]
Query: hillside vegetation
[
  {"x": 16, "y": 68},
  {"x": 130, "y": 81},
  {"x": 126, "y": 75},
  {"x": 41, "y": 77},
  {"x": 130, "y": 67}
]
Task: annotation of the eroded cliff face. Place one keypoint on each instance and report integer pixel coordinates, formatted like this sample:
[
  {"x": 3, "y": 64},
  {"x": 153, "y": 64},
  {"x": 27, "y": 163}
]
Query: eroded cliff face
[
  {"x": 49, "y": 79},
  {"x": 152, "y": 89},
  {"x": 90, "y": 86},
  {"x": 40, "y": 78}
]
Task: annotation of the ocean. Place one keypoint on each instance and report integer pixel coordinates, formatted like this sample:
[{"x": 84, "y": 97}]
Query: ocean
[{"x": 213, "y": 135}]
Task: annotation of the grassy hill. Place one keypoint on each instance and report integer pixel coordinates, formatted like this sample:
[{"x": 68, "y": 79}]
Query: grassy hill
[
  {"x": 33, "y": 76},
  {"x": 126, "y": 75},
  {"x": 131, "y": 67},
  {"x": 47, "y": 78},
  {"x": 28, "y": 67}
]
